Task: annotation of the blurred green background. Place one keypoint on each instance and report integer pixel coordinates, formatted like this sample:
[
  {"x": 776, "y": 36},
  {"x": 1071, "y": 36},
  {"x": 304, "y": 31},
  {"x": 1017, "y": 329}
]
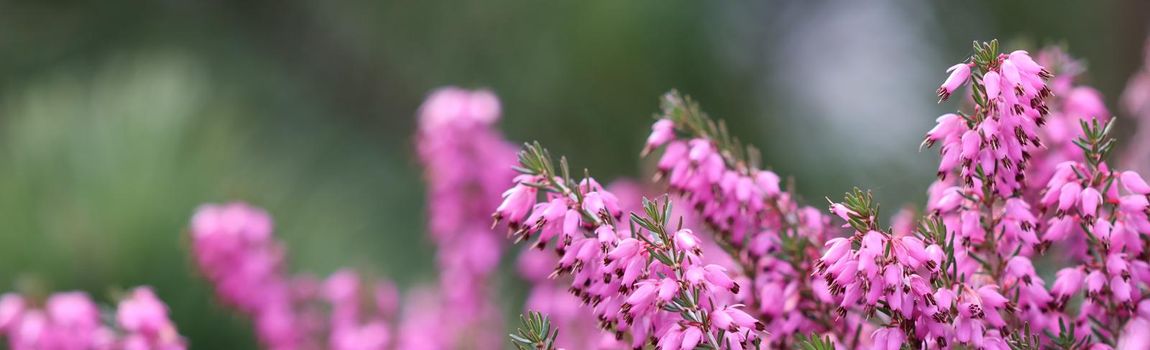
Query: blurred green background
[{"x": 117, "y": 118}]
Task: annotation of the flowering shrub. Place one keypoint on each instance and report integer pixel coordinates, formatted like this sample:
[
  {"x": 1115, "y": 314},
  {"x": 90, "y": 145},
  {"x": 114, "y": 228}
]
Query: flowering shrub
[
  {"x": 1023, "y": 173},
  {"x": 1034, "y": 236},
  {"x": 1029, "y": 239}
]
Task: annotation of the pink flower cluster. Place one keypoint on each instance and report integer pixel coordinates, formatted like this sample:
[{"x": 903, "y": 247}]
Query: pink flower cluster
[
  {"x": 893, "y": 278},
  {"x": 988, "y": 221},
  {"x": 752, "y": 217},
  {"x": 1071, "y": 204},
  {"x": 1009, "y": 191},
  {"x": 549, "y": 293},
  {"x": 235, "y": 250},
  {"x": 1028, "y": 240},
  {"x": 991, "y": 146},
  {"x": 648, "y": 283},
  {"x": 466, "y": 164},
  {"x": 72, "y": 321},
  {"x": 1108, "y": 210}
]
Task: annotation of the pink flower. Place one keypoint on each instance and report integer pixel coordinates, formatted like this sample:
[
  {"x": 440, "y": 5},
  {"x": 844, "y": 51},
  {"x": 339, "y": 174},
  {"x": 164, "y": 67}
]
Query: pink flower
[
  {"x": 143, "y": 312},
  {"x": 836, "y": 249},
  {"x": 993, "y": 84},
  {"x": 12, "y": 307},
  {"x": 73, "y": 309},
  {"x": 959, "y": 74},
  {"x": 842, "y": 211},
  {"x": 1134, "y": 183},
  {"x": 742, "y": 319},
  {"x": 1090, "y": 199},
  {"x": 146, "y": 320},
  {"x": 722, "y": 320},
  {"x": 691, "y": 338},
  {"x": 1068, "y": 282},
  {"x": 717, "y": 276},
  {"x": 768, "y": 182},
  {"x": 1135, "y": 335},
  {"x": 887, "y": 338},
  {"x": 517, "y": 202},
  {"x": 1069, "y": 196},
  {"x": 661, "y": 132},
  {"x": 643, "y": 295},
  {"x": 1121, "y": 289},
  {"x": 686, "y": 240},
  {"x": 671, "y": 339}
]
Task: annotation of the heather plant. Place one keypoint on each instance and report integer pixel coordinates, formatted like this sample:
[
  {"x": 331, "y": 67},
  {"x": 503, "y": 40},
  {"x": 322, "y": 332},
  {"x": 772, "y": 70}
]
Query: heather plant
[
  {"x": 466, "y": 163},
  {"x": 1029, "y": 239},
  {"x": 1022, "y": 178}
]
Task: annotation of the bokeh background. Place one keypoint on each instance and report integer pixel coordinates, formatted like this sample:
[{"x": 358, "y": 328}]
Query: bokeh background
[{"x": 117, "y": 118}]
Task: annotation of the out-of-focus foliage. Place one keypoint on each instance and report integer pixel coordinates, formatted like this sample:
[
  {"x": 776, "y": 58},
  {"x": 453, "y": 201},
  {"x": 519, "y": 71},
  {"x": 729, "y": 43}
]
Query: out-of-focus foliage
[{"x": 118, "y": 118}]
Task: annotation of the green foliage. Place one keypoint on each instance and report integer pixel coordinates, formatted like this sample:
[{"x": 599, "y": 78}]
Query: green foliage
[
  {"x": 985, "y": 54},
  {"x": 866, "y": 211},
  {"x": 1095, "y": 141},
  {"x": 536, "y": 333},
  {"x": 655, "y": 222},
  {"x": 813, "y": 342},
  {"x": 1024, "y": 340}
]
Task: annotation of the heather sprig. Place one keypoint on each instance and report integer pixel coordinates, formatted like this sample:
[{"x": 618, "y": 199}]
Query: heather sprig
[
  {"x": 990, "y": 227},
  {"x": 1087, "y": 197},
  {"x": 772, "y": 238},
  {"x": 644, "y": 280},
  {"x": 992, "y": 143},
  {"x": 675, "y": 250},
  {"x": 466, "y": 164},
  {"x": 235, "y": 250},
  {"x": 890, "y": 279},
  {"x": 989, "y": 150}
]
